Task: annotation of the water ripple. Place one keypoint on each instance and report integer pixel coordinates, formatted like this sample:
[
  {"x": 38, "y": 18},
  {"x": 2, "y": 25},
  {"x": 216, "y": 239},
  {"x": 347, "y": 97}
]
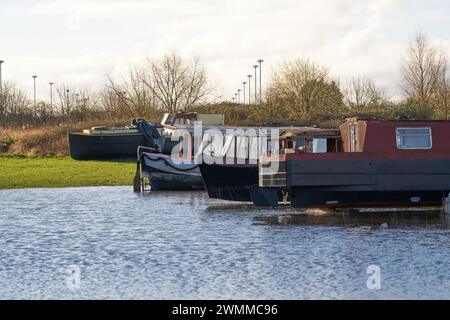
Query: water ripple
[{"x": 186, "y": 246}]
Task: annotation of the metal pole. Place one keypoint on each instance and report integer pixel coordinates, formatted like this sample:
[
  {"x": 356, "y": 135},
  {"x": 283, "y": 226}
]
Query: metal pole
[
  {"x": 256, "y": 83},
  {"x": 77, "y": 99},
  {"x": 51, "y": 94},
  {"x": 249, "y": 89},
  {"x": 260, "y": 80},
  {"x": 68, "y": 100},
  {"x": 239, "y": 95},
  {"x": 244, "y": 83},
  {"x": 1, "y": 83},
  {"x": 34, "y": 89}
]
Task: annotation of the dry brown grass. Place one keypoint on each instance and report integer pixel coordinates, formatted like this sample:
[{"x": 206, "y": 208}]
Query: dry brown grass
[{"x": 44, "y": 141}]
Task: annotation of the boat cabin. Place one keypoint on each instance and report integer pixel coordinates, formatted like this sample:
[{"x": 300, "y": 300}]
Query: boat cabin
[
  {"x": 310, "y": 141},
  {"x": 185, "y": 119},
  {"x": 370, "y": 136}
]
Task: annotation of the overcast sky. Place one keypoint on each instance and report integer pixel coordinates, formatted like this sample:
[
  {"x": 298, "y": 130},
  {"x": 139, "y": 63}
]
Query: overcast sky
[{"x": 80, "y": 42}]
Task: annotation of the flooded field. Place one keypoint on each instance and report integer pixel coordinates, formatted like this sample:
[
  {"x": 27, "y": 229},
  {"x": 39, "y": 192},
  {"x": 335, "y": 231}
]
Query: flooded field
[{"x": 110, "y": 243}]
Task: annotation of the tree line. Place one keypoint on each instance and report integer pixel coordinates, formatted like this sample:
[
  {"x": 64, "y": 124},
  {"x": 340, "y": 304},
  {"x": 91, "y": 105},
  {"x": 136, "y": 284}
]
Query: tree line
[{"x": 299, "y": 91}]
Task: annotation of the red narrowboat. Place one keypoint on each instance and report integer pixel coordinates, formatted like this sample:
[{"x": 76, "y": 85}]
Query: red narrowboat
[{"x": 372, "y": 164}]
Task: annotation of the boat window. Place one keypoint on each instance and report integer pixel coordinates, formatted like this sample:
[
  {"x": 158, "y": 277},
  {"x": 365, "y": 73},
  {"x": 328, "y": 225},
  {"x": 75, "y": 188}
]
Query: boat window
[
  {"x": 320, "y": 146},
  {"x": 414, "y": 138},
  {"x": 299, "y": 144}
]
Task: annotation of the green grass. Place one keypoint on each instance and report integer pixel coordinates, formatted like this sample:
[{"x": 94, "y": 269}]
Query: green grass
[{"x": 60, "y": 172}]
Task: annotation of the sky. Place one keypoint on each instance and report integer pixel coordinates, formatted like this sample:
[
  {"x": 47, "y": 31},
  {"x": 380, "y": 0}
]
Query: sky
[{"x": 80, "y": 42}]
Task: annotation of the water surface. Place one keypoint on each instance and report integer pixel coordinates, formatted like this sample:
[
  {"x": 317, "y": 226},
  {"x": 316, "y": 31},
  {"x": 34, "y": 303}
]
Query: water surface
[{"x": 186, "y": 246}]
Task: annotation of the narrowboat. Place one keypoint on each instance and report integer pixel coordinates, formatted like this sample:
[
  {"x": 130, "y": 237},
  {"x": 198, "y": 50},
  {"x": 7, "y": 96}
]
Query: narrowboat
[
  {"x": 376, "y": 164},
  {"x": 106, "y": 143},
  {"x": 238, "y": 180}
]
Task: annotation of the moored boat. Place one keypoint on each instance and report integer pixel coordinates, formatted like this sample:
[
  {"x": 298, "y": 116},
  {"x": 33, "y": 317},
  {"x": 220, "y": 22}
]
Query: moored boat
[
  {"x": 377, "y": 164},
  {"x": 238, "y": 180},
  {"x": 106, "y": 143}
]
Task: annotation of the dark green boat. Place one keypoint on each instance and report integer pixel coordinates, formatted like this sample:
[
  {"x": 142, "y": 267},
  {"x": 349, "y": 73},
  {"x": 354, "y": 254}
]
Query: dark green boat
[{"x": 106, "y": 143}]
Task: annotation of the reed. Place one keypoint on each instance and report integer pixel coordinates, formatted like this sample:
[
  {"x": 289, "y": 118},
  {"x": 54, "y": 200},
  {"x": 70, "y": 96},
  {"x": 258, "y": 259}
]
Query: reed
[{"x": 45, "y": 140}]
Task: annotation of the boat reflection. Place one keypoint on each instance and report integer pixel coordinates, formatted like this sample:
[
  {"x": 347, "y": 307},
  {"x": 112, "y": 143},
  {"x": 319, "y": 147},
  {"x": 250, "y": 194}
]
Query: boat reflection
[{"x": 430, "y": 219}]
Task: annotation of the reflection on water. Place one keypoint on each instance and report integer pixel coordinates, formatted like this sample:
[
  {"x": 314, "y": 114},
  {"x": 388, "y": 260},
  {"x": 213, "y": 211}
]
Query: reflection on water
[
  {"x": 428, "y": 219},
  {"x": 110, "y": 243}
]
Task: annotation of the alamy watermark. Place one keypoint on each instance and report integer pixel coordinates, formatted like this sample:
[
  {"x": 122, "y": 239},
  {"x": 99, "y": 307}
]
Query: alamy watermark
[
  {"x": 374, "y": 279},
  {"x": 73, "y": 279},
  {"x": 226, "y": 146}
]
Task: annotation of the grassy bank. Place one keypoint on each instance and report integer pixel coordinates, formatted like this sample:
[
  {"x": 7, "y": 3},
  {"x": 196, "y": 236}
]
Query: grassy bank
[{"x": 58, "y": 172}]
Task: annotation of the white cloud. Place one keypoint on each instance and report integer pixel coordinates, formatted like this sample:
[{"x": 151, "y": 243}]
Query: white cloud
[
  {"x": 110, "y": 9},
  {"x": 352, "y": 38}
]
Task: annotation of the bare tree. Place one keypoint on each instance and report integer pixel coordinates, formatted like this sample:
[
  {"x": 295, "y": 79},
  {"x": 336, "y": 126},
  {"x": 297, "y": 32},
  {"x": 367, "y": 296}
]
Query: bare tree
[
  {"x": 133, "y": 97},
  {"x": 176, "y": 84},
  {"x": 441, "y": 98},
  {"x": 420, "y": 70},
  {"x": 66, "y": 98},
  {"x": 362, "y": 93},
  {"x": 15, "y": 108}
]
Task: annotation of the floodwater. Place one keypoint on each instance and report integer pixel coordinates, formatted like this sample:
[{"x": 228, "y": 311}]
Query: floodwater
[{"x": 109, "y": 243}]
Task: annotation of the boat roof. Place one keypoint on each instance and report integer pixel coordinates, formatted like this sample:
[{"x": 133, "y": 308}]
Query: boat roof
[
  {"x": 313, "y": 133},
  {"x": 396, "y": 121}
]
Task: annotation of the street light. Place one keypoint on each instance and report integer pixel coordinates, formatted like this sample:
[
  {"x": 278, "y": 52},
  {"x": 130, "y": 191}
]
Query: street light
[
  {"x": 239, "y": 95},
  {"x": 249, "y": 89},
  {"x": 237, "y": 99},
  {"x": 68, "y": 99},
  {"x": 51, "y": 94},
  {"x": 77, "y": 98},
  {"x": 34, "y": 89},
  {"x": 1, "y": 83},
  {"x": 256, "y": 83},
  {"x": 244, "y": 83},
  {"x": 260, "y": 61}
]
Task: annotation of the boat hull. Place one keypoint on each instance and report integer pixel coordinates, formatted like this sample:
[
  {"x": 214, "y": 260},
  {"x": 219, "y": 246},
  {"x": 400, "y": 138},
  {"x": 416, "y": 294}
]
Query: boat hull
[
  {"x": 237, "y": 183},
  {"x": 362, "y": 182},
  {"x": 366, "y": 199},
  {"x": 92, "y": 147},
  {"x": 165, "y": 175}
]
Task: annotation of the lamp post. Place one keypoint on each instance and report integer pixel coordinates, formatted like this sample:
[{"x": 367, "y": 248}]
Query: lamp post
[
  {"x": 236, "y": 97},
  {"x": 244, "y": 83},
  {"x": 68, "y": 99},
  {"x": 233, "y": 99},
  {"x": 51, "y": 94},
  {"x": 1, "y": 83},
  {"x": 239, "y": 95},
  {"x": 77, "y": 99},
  {"x": 34, "y": 89},
  {"x": 260, "y": 61},
  {"x": 249, "y": 89},
  {"x": 256, "y": 83}
]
